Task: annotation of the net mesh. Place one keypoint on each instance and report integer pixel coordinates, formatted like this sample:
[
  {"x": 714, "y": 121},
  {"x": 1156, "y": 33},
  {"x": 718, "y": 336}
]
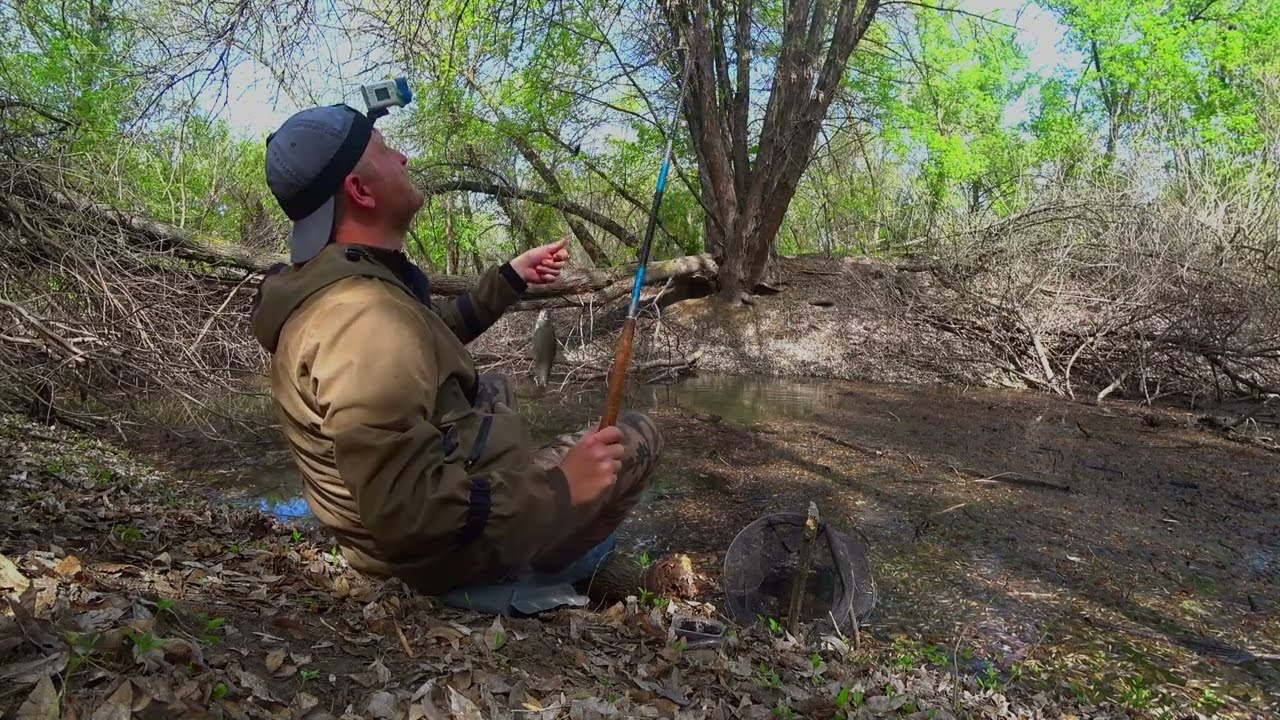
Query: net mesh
[{"x": 761, "y": 563}]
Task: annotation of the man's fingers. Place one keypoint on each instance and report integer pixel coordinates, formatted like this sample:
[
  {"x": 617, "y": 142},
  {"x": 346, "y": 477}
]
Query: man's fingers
[
  {"x": 610, "y": 450},
  {"x": 605, "y": 436}
]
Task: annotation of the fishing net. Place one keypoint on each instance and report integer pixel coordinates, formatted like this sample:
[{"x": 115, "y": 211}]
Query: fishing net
[{"x": 760, "y": 568}]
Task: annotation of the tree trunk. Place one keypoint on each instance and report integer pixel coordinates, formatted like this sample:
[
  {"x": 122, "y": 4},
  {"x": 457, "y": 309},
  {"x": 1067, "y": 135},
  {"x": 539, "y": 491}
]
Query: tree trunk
[
  {"x": 746, "y": 200},
  {"x": 450, "y": 239},
  {"x": 1113, "y": 99},
  {"x": 519, "y": 227},
  {"x": 476, "y": 264}
]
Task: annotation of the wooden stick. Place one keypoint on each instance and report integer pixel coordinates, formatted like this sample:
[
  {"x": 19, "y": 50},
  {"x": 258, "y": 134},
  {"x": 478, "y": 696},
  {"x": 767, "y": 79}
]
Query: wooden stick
[
  {"x": 802, "y": 571},
  {"x": 618, "y": 374},
  {"x": 404, "y": 641},
  {"x": 1012, "y": 478}
]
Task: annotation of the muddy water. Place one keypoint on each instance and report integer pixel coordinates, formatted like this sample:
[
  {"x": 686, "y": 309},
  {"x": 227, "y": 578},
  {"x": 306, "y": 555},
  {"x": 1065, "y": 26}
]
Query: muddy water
[{"x": 273, "y": 486}]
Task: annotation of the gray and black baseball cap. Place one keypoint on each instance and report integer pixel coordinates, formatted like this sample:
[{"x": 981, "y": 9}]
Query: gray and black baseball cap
[{"x": 307, "y": 159}]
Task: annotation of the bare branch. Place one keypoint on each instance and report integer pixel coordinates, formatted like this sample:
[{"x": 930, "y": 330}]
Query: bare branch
[{"x": 600, "y": 220}]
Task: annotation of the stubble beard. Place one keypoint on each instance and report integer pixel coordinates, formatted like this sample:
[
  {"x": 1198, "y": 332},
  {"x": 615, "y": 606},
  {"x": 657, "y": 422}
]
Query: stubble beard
[{"x": 404, "y": 218}]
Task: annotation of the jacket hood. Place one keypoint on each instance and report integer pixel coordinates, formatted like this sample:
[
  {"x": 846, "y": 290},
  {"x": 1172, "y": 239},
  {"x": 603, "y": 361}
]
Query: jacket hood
[{"x": 286, "y": 287}]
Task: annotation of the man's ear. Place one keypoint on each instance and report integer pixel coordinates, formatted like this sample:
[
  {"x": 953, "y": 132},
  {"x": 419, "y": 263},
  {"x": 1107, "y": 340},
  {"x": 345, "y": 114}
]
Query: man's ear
[{"x": 357, "y": 192}]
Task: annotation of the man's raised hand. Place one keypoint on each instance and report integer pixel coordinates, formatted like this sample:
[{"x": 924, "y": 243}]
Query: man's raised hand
[{"x": 542, "y": 265}]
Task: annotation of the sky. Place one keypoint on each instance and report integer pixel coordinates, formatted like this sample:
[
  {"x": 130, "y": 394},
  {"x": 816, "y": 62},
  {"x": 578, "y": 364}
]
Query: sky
[
  {"x": 1038, "y": 30},
  {"x": 257, "y": 104}
]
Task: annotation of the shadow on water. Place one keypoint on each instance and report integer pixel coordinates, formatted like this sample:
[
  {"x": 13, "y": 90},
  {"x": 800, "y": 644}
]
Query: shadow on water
[
  {"x": 276, "y": 489},
  {"x": 744, "y": 400}
]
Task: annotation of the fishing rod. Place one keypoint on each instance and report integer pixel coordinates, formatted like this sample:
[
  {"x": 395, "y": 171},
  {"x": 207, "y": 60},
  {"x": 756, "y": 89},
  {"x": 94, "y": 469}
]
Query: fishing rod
[{"x": 618, "y": 375}]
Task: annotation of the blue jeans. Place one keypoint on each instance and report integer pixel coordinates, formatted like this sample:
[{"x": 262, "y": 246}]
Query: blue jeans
[{"x": 535, "y": 593}]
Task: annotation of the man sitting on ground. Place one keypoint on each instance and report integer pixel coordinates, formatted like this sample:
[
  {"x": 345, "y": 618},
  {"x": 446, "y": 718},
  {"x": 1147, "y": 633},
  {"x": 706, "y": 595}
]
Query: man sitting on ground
[{"x": 421, "y": 467}]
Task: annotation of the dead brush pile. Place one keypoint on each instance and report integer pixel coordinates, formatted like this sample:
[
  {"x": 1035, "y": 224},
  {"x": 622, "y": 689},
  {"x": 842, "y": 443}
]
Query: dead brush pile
[
  {"x": 106, "y": 323},
  {"x": 1090, "y": 296}
]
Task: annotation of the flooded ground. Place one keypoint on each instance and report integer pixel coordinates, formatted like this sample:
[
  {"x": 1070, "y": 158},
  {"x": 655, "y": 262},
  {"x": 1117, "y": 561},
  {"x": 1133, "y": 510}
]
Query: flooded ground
[{"x": 1117, "y": 550}]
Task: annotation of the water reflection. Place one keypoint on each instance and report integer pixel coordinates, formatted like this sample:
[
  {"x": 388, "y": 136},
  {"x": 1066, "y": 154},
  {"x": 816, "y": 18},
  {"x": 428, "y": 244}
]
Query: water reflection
[
  {"x": 274, "y": 489},
  {"x": 288, "y": 509},
  {"x": 743, "y": 399}
]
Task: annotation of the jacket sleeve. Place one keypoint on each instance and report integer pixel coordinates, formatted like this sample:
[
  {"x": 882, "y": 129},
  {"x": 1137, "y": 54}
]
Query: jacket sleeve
[
  {"x": 473, "y": 312},
  {"x": 375, "y": 379}
]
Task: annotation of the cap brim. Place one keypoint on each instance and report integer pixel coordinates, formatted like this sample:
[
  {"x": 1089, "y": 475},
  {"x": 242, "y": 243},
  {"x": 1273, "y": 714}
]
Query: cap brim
[{"x": 311, "y": 233}]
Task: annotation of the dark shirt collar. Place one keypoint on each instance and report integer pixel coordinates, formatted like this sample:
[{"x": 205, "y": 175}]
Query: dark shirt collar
[{"x": 405, "y": 269}]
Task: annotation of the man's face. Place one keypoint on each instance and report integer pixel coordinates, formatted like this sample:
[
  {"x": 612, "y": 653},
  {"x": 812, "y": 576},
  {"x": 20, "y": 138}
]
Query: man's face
[{"x": 384, "y": 175}]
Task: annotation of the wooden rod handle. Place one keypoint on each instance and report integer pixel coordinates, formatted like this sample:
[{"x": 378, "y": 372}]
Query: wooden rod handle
[{"x": 618, "y": 375}]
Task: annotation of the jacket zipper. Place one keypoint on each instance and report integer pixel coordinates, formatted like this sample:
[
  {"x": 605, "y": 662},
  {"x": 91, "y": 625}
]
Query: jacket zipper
[{"x": 482, "y": 438}]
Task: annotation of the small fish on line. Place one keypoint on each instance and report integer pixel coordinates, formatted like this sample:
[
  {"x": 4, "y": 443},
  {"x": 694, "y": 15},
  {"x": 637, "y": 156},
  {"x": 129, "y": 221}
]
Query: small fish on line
[{"x": 544, "y": 348}]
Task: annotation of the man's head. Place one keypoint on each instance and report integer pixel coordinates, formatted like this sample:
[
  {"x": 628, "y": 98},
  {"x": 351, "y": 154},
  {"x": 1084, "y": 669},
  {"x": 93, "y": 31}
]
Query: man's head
[{"x": 336, "y": 178}]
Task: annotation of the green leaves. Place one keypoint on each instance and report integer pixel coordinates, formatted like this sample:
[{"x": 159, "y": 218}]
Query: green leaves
[
  {"x": 968, "y": 73},
  {"x": 940, "y": 114},
  {"x": 88, "y": 75},
  {"x": 1189, "y": 69}
]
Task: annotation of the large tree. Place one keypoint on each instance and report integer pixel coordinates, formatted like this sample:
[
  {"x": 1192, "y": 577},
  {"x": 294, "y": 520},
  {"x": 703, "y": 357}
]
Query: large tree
[
  {"x": 747, "y": 179},
  {"x": 574, "y": 89}
]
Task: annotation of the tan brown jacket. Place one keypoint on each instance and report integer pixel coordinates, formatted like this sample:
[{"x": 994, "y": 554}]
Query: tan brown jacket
[{"x": 374, "y": 390}]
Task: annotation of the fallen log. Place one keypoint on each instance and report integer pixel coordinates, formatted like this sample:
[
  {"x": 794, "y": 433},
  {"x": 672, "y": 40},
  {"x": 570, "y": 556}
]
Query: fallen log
[
  {"x": 151, "y": 235},
  {"x": 575, "y": 288},
  {"x": 592, "y": 289},
  {"x": 668, "y": 365},
  {"x": 606, "y": 286}
]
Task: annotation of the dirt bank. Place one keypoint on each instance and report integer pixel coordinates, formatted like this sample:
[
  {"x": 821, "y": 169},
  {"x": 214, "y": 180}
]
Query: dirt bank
[
  {"x": 849, "y": 318},
  {"x": 879, "y": 321}
]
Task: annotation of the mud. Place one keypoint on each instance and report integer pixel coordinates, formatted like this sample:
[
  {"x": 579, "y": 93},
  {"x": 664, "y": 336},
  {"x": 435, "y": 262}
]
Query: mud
[
  {"x": 1136, "y": 554},
  {"x": 1119, "y": 551}
]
